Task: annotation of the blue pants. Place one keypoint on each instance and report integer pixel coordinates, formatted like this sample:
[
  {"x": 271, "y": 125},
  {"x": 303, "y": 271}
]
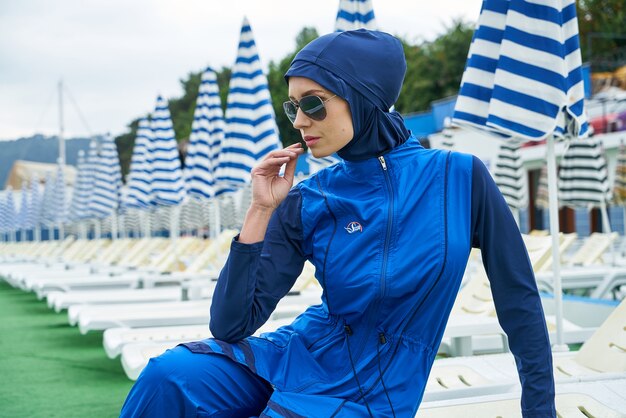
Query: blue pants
[{"x": 180, "y": 383}]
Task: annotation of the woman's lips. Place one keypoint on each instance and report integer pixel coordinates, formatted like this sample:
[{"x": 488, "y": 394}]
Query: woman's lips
[{"x": 311, "y": 140}]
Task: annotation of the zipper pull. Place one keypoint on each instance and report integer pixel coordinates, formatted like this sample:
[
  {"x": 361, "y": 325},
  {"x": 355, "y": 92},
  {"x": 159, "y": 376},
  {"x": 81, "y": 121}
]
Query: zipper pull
[
  {"x": 383, "y": 162},
  {"x": 382, "y": 339},
  {"x": 347, "y": 329}
]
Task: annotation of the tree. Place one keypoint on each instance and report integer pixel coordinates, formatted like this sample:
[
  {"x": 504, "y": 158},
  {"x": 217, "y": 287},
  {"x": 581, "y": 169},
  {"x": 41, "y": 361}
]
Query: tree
[
  {"x": 181, "y": 109},
  {"x": 434, "y": 69},
  {"x": 602, "y": 27}
]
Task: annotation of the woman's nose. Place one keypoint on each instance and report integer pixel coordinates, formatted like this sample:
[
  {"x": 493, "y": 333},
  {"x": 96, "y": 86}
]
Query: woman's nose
[{"x": 301, "y": 120}]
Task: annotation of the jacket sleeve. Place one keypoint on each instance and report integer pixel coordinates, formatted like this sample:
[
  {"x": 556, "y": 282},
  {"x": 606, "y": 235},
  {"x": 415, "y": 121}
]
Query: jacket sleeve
[
  {"x": 256, "y": 276},
  {"x": 514, "y": 291}
]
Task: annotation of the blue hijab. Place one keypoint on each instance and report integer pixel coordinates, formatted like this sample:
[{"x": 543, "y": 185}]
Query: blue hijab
[{"x": 366, "y": 68}]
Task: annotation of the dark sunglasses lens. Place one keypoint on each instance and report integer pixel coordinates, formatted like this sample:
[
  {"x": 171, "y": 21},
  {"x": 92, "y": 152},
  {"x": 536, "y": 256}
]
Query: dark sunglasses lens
[
  {"x": 313, "y": 107},
  {"x": 290, "y": 110}
]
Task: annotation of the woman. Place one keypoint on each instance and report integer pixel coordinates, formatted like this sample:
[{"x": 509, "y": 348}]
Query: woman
[{"x": 389, "y": 230}]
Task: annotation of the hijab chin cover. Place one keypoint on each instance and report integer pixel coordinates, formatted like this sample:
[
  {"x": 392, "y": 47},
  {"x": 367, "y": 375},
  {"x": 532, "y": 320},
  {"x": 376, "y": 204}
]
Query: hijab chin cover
[{"x": 366, "y": 68}]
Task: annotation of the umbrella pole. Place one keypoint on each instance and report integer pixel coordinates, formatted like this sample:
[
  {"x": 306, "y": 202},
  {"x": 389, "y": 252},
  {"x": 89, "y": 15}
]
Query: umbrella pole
[{"x": 556, "y": 257}]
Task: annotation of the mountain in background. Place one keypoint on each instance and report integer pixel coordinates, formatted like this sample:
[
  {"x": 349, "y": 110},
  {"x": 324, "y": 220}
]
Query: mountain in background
[{"x": 38, "y": 148}]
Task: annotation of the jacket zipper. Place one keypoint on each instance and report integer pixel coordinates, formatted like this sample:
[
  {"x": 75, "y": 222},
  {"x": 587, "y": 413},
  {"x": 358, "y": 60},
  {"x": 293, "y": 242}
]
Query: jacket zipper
[{"x": 383, "y": 277}]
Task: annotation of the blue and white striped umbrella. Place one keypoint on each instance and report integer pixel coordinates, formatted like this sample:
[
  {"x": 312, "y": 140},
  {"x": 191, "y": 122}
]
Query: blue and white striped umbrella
[
  {"x": 355, "y": 14},
  {"x": 510, "y": 175},
  {"x": 82, "y": 189},
  {"x": 22, "y": 221},
  {"x": 91, "y": 163},
  {"x": 104, "y": 199},
  {"x": 3, "y": 214},
  {"x": 523, "y": 79},
  {"x": 10, "y": 215},
  {"x": 583, "y": 177},
  {"x": 523, "y": 76},
  {"x": 167, "y": 177},
  {"x": 251, "y": 130},
  {"x": 140, "y": 175},
  {"x": 34, "y": 214},
  {"x": 47, "y": 202},
  {"x": 59, "y": 198},
  {"x": 205, "y": 141}
]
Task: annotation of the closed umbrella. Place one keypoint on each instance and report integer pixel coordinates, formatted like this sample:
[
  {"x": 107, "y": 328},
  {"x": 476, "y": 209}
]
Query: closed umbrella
[
  {"x": 583, "y": 178},
  {"x": 355, "y": 14},
  {"x": 510, "y": 176},
  {"x": 523, "y": 79},
  {"x": 107, "y": 182},
  {"x": 34, "y": 214},
  {"x": 10, "y": 216},
  {"x": 80, "y": 197},
  {"x": 168, "y": 188},
  {"x": 205, "y": 143},
  {"x": 22, "y": 221},
  {"x": 251, "y": 130},
  {"x": 59, "y": 200},
  {"x": 139, "y": 198},
  {"x": 47, "y": 205}
]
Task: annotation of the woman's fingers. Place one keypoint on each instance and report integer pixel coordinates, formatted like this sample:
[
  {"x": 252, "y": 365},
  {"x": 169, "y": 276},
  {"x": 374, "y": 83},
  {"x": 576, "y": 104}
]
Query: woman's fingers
[{"x": 275, "y": 159}]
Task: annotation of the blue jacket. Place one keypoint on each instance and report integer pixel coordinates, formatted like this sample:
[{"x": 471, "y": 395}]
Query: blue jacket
[{"x": 389, "y": 238}]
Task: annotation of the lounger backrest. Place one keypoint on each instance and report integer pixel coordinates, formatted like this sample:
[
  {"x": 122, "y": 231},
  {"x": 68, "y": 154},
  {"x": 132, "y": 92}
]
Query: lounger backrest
[
  {"x": 539, "y": 249},
  {"x": 566, "y": 241},
  {"x": 592, "y": 249},
  {"x": 605, "y": 350}
]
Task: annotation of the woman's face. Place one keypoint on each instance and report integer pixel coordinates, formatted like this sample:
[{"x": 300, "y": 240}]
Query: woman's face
[{"x": 327, "y": 136}]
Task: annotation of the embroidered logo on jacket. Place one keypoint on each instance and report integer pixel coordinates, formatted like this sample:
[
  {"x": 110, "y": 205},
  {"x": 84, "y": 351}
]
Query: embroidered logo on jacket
[{"x": 354, "y": 227}]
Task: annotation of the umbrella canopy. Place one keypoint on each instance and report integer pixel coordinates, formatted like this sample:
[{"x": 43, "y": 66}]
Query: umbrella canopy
[
  {"x": 107, "y": 181},
  {"x": 523, "y": 75},
  {"x": 59, "y": 199},
  {"x": 9, "y": 210},
  {"x": 34, "y": 214},
  {"x": 523, "y": 79},
  {"x": 355, "y": 14},
  {"x": 251, "y": 130},
  {"x": 167, "y": 177},
  {"x": 139, "y": 182},
  {"x": 47, "y": 202},
  {"x": 22, "y": 221},
  {"x": 80, "y": 197},
  {"x": 205, "y": 141},
  {"x": 583, "y": 177},
  {"x": 510, "y": 175},
  {"x": 619, "y": 189}
]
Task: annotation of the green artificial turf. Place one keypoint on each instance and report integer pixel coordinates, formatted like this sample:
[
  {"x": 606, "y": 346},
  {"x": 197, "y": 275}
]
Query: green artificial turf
[{"x": 48, "y": 369}]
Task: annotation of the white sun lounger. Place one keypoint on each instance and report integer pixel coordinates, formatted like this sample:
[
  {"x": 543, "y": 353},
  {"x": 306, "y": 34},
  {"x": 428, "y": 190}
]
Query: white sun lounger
[
  {"x": 604, "y": 354},
  {"x": 168, "y": 313},
  {"x": 63, "y": 300},
  {"x": 597, "y": 399},
  {"x": 135, "y": 356}
]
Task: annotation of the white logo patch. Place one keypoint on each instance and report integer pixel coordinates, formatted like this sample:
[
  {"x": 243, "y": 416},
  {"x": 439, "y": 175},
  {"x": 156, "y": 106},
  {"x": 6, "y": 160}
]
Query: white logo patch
[{"x": 354, "y": 227}]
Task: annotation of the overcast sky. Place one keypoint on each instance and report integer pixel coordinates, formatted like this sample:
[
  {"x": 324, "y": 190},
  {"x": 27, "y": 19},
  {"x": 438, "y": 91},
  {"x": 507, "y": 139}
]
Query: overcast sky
[{"x": 115, "y": 56}]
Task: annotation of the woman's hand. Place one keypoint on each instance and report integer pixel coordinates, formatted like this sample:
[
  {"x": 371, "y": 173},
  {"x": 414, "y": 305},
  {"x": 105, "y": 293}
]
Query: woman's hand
[
  {"x": 268, "y": 190},
  {"x": 268, "y": 187}
]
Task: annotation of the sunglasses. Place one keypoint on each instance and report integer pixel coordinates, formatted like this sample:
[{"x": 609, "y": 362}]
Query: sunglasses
[{"x": 312, "y": 106}]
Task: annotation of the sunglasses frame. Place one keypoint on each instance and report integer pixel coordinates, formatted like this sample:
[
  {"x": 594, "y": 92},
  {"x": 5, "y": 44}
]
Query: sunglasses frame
[{"x": 297, "y": 107}]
